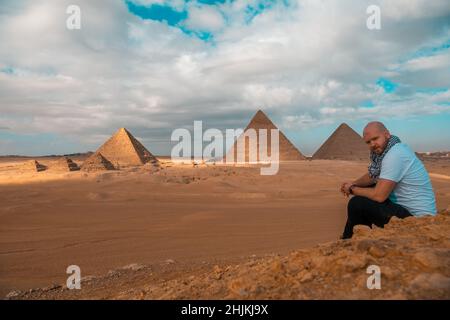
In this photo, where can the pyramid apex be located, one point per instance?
(344, 127)
(260, 115)
(260, 120)
(123, 131)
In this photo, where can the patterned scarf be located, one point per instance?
(375, 165)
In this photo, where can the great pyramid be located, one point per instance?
(124, 150)
(65, 164)
(287, 151)
(343, 144)
(96, 162)
(33, 165)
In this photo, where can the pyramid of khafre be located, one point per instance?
(287, 151)
(96, 162)
(65, 164)
(343, 144)
(124, 150)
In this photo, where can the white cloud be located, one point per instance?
(413, 9)
(314, 63)
(205, 18)
(260, 96)
(441, 61)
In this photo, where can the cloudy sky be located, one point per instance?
(156, 65)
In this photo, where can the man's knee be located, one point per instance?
(356, 204)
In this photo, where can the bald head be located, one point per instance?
(376, 136)
(376, 125)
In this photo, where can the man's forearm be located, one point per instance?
(380, 193)
(364, 181)
(364, 192)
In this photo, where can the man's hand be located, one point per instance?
(345, 188)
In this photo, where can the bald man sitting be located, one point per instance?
(396, 184)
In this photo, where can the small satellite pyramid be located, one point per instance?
(65, 164)
(33, 165)
(96, 162)
(343, 144)
(124, 150)
(287, 151)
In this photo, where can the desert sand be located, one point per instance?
(412, 254)
(145, 232)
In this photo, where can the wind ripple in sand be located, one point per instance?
(18, 251)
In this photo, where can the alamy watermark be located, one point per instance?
(373, 21)
(249, 146)
(374, 280)
(74, 280)
(73, 22)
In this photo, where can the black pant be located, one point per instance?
(361, 210)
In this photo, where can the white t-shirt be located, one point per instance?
(413, 190)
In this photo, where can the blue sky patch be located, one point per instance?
(367, 104)
(212, 2)
(431, 90)
(202, 35)
(175, 18)
(427, 51)
(387, 85)
(251, 11)
(7, 70)
(157, 12)
(430, 51)
(172, 17)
